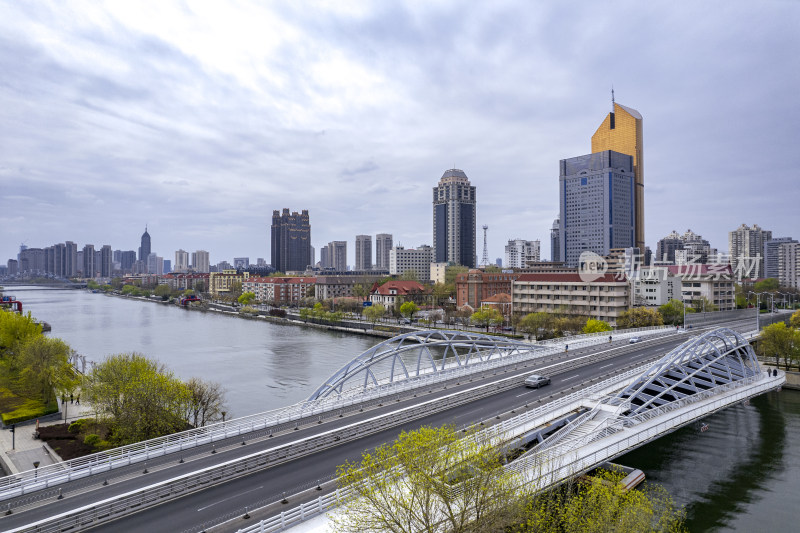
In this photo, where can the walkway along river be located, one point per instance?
(743, 474)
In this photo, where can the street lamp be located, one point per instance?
(758, 307)
(35, 470)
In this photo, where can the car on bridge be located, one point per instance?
(535, 381)
(634, 340)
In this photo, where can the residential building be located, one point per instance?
(155, 264)
(596, 193)
(655, 286)
(771, 252)
(324, 260)
(519, 252)
(712, 282)
(746, 248)
(12, 267)
(788, 265)
(555, 242)
(395, 292)
(183, 281)
(181, 261)
(622, 132)
(477, 286)
(604, 298)
(454, 220)
(32, 260)
(106, 261)
(220, 283)
(337, 256)
(88, 267)
(127, 258)
(240, 263)
(280, 290)
(402, 260)
(363, 252)
(665, 249)
(438, 272)
(167, 266)
(332, 286)
(200, 261)
(291, 240)
(144, 249)
(383, 244)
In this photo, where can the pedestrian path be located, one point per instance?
(20, 450)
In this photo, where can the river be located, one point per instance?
(743, 474)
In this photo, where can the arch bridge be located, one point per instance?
(414, 355)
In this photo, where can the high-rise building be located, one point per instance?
(621, 131)
(324, 260)
(89, 266)
(596, 193)
(155, 264)
(454, 219)
(788, 265)
(555, 242)
(666, 247)
(519, 252)
(144, 249)
(70, 259)
(402, 261)
(181, 260)
(166, 266)
(200, 261)
(771, 250)
(241, 262)
(291, 240)
(337, 256)
(746, 247)
(383, 244)
(106, 261)
(127, 260)
(363, 252)
(32, 260)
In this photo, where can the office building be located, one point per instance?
(666, 247)
(363, 252)
(336, 256)
(771, 251)
(519, 252)
(155, 264)
(241, 262)
(383, 245)
(454, 220)
(596, 198)
(200, 261)
(621, 131)
(405, 261)
(746, 248)
(144, 249)
(291, 240)
(127, 259)
(715, 283)
(555, 242)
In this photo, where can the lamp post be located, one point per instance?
(35, 470)
(758, 307)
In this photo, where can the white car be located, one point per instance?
(535, 381)
(634, 340)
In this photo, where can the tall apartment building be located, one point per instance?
(181, 261)
(596, 193)
(383, 245)
(291, 240)
(155, 264)
(666, 247)
(106, 261)
(519, 252)
(336, 256)
(32, 260)
(454, 220)
(419, 260)
(89, 268)
(200, 261)
(789, 265)
(144, 249)
(771, 251)
(70, 259)
(622, 132)
(746, 248)
(363, 252)
(127, 259)
(555, 242)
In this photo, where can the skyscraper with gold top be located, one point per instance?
(621, 131)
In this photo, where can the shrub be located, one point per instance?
(277, 312)
(91, 439)
(103, 445)
(76, 426)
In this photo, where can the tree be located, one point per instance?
(639, 317)
(486, 316)
(16, 330)
(537, 324)
(246, 298)
(360, 291)
(766, 285)
(138, 397)
(603, 505)
(442, 292)
(374, 313)
(778, 340)
(129, 289)
(436, 316)
(596, 326)
(672, 312)
(235, 290)
(164, 291)
(44, 364)
(451, 272)
(410, 275)
(408, 309)
(794, 320)
(206, 402)
(407, 486)
(703, 304)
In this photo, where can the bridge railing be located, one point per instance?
(276, 420)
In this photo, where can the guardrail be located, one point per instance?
(276, 420)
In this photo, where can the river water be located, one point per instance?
(743, 474)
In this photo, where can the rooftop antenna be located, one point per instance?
(485, 259)
(612, 97)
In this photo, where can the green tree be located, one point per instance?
(672, 312)
(639, 317)
(128, 289)
(539, 325)
(44, 366)
(374, 313)
(452, 271)
(794, 320)
(15, 330)
(163, 291)
(486, 316)
(408, 309)
(596, 326)
(206, 402)
(766, 285)
(703, 305)
(138, 397)
(779, 341)
(235, 290)
(442, 292)
(407, 486)
(246, 298)
(410, 275)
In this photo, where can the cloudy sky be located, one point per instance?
(200, 118)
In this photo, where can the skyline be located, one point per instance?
(121, 116)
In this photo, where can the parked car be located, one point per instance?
(535, 381)
(634, 340)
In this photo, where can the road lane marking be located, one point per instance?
(230, 498)
(606, 366)
(571, 377)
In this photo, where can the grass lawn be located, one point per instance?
(18, 403)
